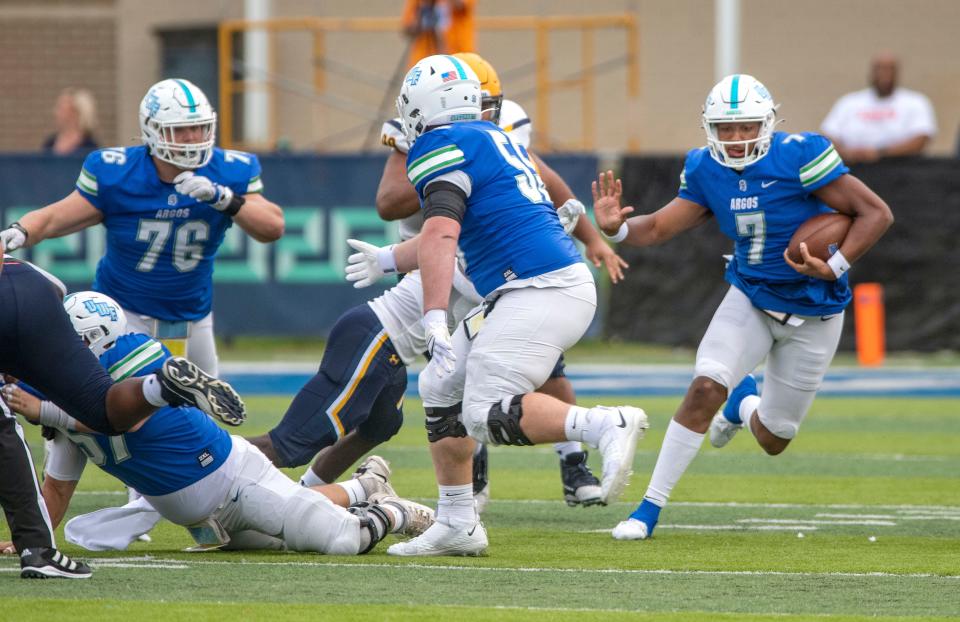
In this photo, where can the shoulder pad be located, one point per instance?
(392, 136)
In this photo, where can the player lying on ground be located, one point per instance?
(218, 486)
(397, 199)
(479, 189)
(761, 186)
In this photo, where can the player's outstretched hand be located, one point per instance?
(12, 238)
(607, 192)
(439, 344)
(810, 266)
(203, 189)
(365, 267)
(602, 255)
(21, 402)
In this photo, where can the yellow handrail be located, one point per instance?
(541, 26)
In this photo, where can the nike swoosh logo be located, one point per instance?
(623, 422)
(470, 533)
(767, 184)
(236, 497)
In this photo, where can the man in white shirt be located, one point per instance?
(881, 121)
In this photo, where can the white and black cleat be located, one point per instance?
(49, 563)
(442, 540)
(618, 445)
(580, 485)
(182, 383)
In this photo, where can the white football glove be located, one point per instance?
(12, 238)
(569, 213)
(439, 344)
(367, 266)
(203, 189)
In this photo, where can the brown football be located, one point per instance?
(824, 233)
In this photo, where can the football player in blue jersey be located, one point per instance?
(195, 474)
(760, 185)
(166, 205)
(479, 190)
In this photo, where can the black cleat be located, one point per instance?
(184, 384)
(481, 479)
(49, 563)
(580, 486)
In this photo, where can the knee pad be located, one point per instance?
(374, 524)
(504, 427)
(444, 422)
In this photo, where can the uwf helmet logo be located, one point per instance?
(414, 76)
(101, 308)
(153, 102)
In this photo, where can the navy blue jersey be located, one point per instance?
(174, 448)
(510, 229)
(760, 208)
(160, 244)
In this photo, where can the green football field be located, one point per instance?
(859, 519)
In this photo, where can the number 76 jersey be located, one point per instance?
(760, 208)
(160, 244)
(510, 229)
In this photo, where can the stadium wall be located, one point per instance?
(672, 290)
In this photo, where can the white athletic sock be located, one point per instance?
(456, 507)
(748, 406)
(399, 518)
(477, 449)
(680, 447)
(586, 425)
(567, 448)
(151, 391)
(354, 489)
(309, 478)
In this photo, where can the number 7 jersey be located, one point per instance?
(760, 208)
(160, 244)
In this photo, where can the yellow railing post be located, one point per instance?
(224, 33)
(543, 85)
(587, 112)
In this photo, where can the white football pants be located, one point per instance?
(201, 346)
(740, 336)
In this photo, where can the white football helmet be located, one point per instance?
(739, 98)
(436, 91)
(97, 318)
(172, 104)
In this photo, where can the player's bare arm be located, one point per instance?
(673, 218)
(436, 256)
(396, 196)
(871, 219)
(597, 251)
(68, 215)
(260, 218)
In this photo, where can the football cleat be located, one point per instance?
(182, 383)
(726, 423)
(441, 539)
(580, 485)
(481, 478)
(374, 475)
(618, 445)
(49, 563)
(722, 431)
(639, 525)
(417, 517)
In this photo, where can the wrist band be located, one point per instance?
(620, 235)
(19, 227)
(234, 206)
(386, 260)
(53, 416)
(838, 263)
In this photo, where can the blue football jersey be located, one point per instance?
(760, 208)
(160, 244)
(174, 448)
(510, 229)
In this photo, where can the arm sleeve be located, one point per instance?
(64, 461)
(87, 182)
(820, 163)
(443, 198)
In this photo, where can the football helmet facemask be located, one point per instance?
(168, 106)
(438, 90)
(739, 98)
(97, 318)
(489, 84)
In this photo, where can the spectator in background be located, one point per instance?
(75, 117)
(439, 27)
(881, 121)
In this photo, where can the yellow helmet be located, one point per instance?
(489, 83)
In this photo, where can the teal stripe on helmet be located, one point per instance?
(735, 92)
(460, 71)
(190, 101)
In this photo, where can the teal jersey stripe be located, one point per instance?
(735, 92)
(149, 359)
(131, 356)
(826, 153)
(416, 180)
(429, 155)
(190, 101)
(460, 71)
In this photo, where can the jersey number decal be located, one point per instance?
(754, 226)
(528, 181)
(186, 250)
(92, 449)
